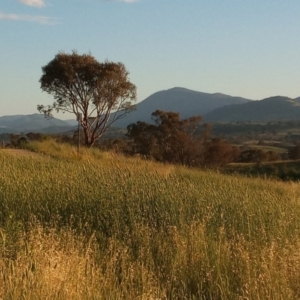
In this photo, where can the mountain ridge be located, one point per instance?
(276, 108)
(26, 123)
(184, 101)
(216, 107)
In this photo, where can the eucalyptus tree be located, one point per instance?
(98, 93)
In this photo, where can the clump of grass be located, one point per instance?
(58, 150)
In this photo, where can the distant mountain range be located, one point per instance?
(33, 123)
(187, 102)
(270, 109)
(214, 107)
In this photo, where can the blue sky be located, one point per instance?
(248, 48)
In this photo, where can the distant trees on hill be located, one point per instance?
(170, 139)
(256, 155)
(174, 140)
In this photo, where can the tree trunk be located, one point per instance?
(89, 140)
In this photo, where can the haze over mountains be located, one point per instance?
(213, 107)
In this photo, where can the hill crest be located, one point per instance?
(184, 101)
(277, 108)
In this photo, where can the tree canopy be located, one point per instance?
(100, 92)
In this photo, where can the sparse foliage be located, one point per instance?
(101, 92)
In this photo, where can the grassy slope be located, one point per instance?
(102, 226)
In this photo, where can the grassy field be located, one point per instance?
(102, 226)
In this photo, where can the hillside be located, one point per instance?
(270, 109)
(102, 226)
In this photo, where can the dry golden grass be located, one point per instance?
(103, 226)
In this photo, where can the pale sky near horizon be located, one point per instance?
(247, 48)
